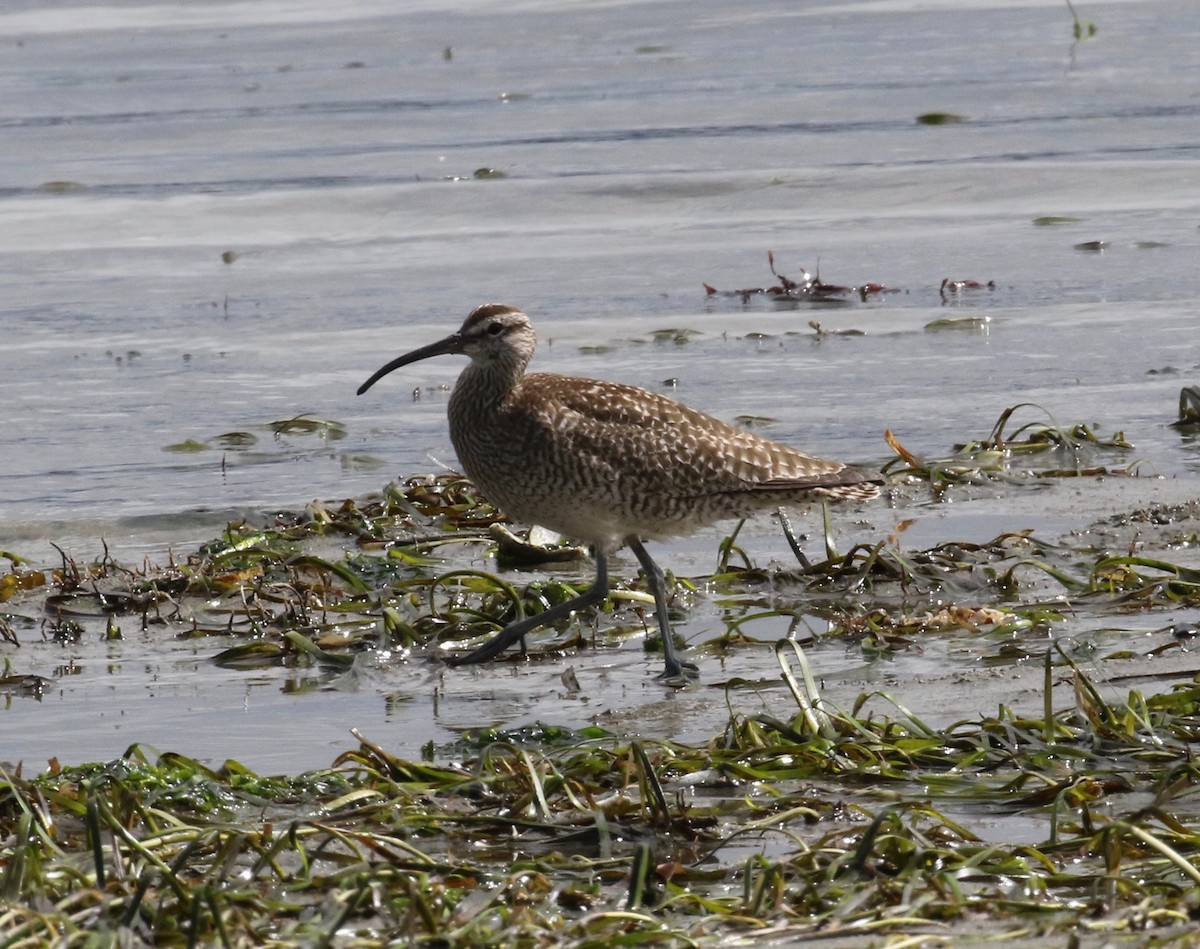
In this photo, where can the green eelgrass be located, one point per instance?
(824, 822)
(806, 819)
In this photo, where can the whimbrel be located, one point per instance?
(606, 464)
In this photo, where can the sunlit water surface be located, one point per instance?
(216, 216)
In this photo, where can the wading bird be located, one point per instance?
(606, 464)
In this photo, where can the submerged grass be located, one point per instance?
(849, 824)
(825, 823)
(1011, 455)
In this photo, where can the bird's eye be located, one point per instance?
(495, 329)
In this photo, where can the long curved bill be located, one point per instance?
(451, 345)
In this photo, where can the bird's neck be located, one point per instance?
(482, 387)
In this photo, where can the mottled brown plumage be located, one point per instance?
(608, 464)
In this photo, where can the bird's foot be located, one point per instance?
(679, 674)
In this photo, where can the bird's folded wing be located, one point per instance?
(631, 433)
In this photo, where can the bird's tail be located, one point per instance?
(854, 491)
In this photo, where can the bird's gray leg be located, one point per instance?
(673, 668)
(596, 593)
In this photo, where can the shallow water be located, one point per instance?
(647, 148)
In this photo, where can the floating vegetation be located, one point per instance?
(188, 446)
(235, 441)
(300, 425)
(824, 331)
(941, 118)
(1081, 28)
(978, 323)
(754, 421)
(303, 425)
(20, 577)
(318, 587)
(800, 820)
(1189, 408)
(951, 288)
(61, 187)
(1069, 452)
(673, 334)
(809, 288)
(819, 822)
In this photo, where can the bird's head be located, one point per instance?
(492, 334)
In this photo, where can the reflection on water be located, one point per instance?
(222, 221)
